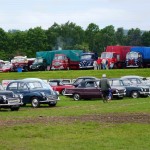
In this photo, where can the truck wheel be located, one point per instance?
(16, 108)
(76, 97)
(35, 102)
(134, 94)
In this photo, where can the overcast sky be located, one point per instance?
(26, 14)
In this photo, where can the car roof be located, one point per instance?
(87, 77)
(132, 76)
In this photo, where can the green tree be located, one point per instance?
(36, 41)
(107, 37)
(120, 37)
(71, 35)
(91, 33)
(134, 37)
(146, 38)
(3, 44)
(52, 35)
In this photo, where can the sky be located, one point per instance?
(25, 14)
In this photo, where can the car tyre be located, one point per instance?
(63, 92)
(14, 108)
(134, 94)
(76, 97)
(35, 102)
(52, 105)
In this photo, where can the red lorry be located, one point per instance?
(66, 59)
(62, 62)
(114, 56)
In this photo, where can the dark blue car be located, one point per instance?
(132, 90)
(34, 91)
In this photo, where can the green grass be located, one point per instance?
(25, 130)
(76, 135)
(71, 74)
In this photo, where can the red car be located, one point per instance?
(59, 86)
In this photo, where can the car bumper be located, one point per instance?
(119, 94)
(68, 94)
(11, 104)
(86, 67)
(144, 93)
(48, 100)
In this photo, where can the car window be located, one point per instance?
(53, 83)
(91, 84)
(34, 85)
(116, 83)
(22, 86)
(13, 86)
(78, 81)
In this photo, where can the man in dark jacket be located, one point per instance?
(104, 86)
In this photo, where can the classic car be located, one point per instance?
(89, 90)
(10, 100)
(59, 86)
(34, 91)
(132, 90)
(7, 67)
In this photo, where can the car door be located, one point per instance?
(92, 90)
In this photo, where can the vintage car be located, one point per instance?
(10, 100)
(34, 91)
(89, 90)
(59, 86)
(132, 90)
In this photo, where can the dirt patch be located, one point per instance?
(104, 118)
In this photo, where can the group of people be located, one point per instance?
(105, 88)
(102, 65)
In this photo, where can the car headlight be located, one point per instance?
(21, 96)
(43, 94)
(142, 89)
(4, 97)
(117, 91)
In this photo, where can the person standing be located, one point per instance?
(105, 87)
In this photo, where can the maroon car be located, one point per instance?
(59, 86)
(89, 90)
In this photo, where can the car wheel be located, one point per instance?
(52, 105)
(35, 102)
(135, 94)
(76, 97)
(63, 92)
(14, 108)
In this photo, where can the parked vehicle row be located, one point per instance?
(35, 91)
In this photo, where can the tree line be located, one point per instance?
(68, 36)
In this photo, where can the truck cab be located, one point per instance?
(60, 62)
(39, 64)
(87, 60)
(134, 59)
(111, 58)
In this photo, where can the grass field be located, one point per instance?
(78, 125)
